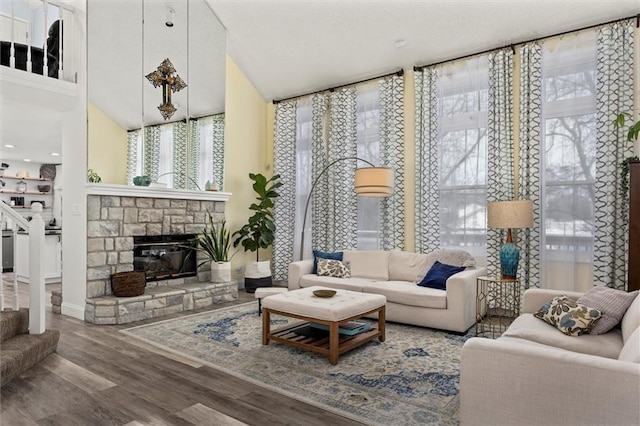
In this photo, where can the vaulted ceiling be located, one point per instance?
(287, 48)
(291, 47)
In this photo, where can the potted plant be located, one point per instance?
(259, 232)
(632, 135)
(215, 242)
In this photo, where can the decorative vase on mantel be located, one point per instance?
(220, 272)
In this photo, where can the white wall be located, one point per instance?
(74, 157)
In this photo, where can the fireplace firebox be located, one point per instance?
(163, 257)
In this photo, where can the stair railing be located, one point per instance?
(35, 230)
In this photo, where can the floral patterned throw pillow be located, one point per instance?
(333, 268)
(568, 316)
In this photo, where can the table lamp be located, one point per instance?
(508, 215)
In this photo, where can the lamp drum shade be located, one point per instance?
(374, 182)
(510, 214)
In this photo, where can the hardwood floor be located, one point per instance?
(101, 377)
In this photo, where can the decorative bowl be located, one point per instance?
(44, 188)
(324, 293)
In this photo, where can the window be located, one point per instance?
(368, 126)
(568, 156)
(462, 147)
(209, 157)
(368, 136)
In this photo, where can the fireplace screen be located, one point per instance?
(165, 257)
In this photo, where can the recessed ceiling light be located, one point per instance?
(55, 154)
(27, 160)
(8, 145)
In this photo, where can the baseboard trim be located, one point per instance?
(74, 311)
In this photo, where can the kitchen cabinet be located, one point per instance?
(52, 253)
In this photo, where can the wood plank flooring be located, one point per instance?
(101, 377)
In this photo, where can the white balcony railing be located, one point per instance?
(35, 229)
(32, 38)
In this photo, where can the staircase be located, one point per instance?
(19, 351)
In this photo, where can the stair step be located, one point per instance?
(13, 323)
(22, 352)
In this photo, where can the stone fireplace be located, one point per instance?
(165, 256)
(128, 226)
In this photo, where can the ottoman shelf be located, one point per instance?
(329, 343)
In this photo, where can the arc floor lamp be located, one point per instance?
(370, 181)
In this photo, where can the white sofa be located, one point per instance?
(394, 274)
(534, 374)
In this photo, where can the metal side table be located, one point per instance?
(497, 305)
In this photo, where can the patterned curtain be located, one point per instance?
(392, 155)
(500, 172)
(180, 148)
(218, 150)
(427, 189)
(335, 218)
(133, 139)
(529, 160)
(151, 152)
(614, 94)
(319, 221)
(194, 155)
(284, 164)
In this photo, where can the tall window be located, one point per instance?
(569, 147)
(303, 172)
(209, 160)
(368, 134)
(368, 149)
(462, 139)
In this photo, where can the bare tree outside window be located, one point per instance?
(463, 160)
(569, 147)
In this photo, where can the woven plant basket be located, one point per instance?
(128, 284)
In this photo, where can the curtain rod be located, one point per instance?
(513, 45)
(331, 89)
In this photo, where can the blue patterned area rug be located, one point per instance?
(410, 379)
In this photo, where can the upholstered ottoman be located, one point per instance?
(262, 292)
(331, 312)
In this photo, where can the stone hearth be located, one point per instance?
(112, 222)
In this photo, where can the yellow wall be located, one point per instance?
(245, 151)
(107, 146)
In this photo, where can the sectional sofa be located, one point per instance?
(395, 274)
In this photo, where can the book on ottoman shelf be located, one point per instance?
(350, 329)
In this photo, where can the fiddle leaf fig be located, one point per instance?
(259, 232)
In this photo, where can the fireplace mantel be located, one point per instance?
(154, 192)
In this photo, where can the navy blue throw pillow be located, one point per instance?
(317, 254)
(439, 274)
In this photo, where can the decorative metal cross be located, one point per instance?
(164, 76)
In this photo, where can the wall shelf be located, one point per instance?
(26, 179)
(10, 191)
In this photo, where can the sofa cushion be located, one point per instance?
(631, 320)
(568, 316)
(631, 350)
(528, 327)
(611, 302)
(408, 293)
(353, 284)
(449, 257)
(372, 264)
(333, 268)
(317, 254)
(438, 275)
(406, 266)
